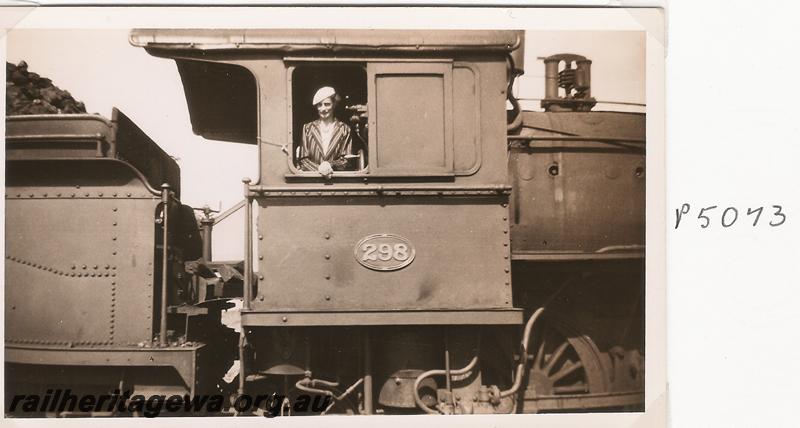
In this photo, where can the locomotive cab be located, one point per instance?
(410, 244)
(385, 285)
(426, 112)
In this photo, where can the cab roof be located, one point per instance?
(294, 40)
(222, 96)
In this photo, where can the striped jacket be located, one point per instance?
(311, 153)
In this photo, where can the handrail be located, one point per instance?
(165, 200)
(225, 214)
(248, 248)
(576, 138)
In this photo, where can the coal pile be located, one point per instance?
(29, 93)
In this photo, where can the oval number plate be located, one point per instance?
(384, 251)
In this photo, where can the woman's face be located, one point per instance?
(325, 108)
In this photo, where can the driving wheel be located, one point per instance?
(564, 362)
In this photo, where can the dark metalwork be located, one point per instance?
(369, 407)
(165, 207)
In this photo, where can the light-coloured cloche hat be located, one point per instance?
(322, 93)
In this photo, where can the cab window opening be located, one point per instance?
(222, 99)
(342, 141)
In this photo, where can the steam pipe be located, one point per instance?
(309, 385)
(429, 373)
(523, 358)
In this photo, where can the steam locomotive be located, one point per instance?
(473, 260)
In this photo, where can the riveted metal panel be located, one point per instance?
(411, 117)
(79, 259)
(577, 201)
(306, 254)
(574, 198)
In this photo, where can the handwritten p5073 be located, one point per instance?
(713, 215)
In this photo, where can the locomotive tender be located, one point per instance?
(467, 262)
(85, 265)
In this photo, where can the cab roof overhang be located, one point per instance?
(222, 97)
(295, 40)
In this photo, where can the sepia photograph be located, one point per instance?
(255, 213)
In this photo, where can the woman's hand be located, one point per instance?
(325, 169)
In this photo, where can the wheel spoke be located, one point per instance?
(554, 358)
(537, 363)
(565, 371)
(570, 389)
(567, 364)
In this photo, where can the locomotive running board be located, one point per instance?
(440, 317)
(183, 359)
(548, 403)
